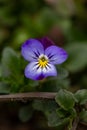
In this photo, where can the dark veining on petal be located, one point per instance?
(38, 52)
(34, 57)
(37, 55)
(52, 60)
(38, 67)
(36, 63)
(51, 56)
(48, 66)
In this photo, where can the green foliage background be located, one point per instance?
(63, 21)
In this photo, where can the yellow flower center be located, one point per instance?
(42, 61)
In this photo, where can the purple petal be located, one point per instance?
(50, 70)
(46, 42)
(56, 54)
(34, 72)
(31, 49)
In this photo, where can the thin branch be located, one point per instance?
(33, 95)
(27, 96)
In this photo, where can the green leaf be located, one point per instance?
(61, 112)
(81, 96)
(65, 99)
(48, 107)
(54, 120)
(62, 73)
(25, 113)
(77, 56)
(83, 116)
(73, 113)
(10, 62)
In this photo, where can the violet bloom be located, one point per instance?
(42, 55)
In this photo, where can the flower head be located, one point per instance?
(42, 55)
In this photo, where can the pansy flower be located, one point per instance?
(42, 55)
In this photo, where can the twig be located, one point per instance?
(33, 95)
(27, 96)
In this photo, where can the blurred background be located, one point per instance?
(64, 22)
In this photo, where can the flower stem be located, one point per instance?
(75, 123)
